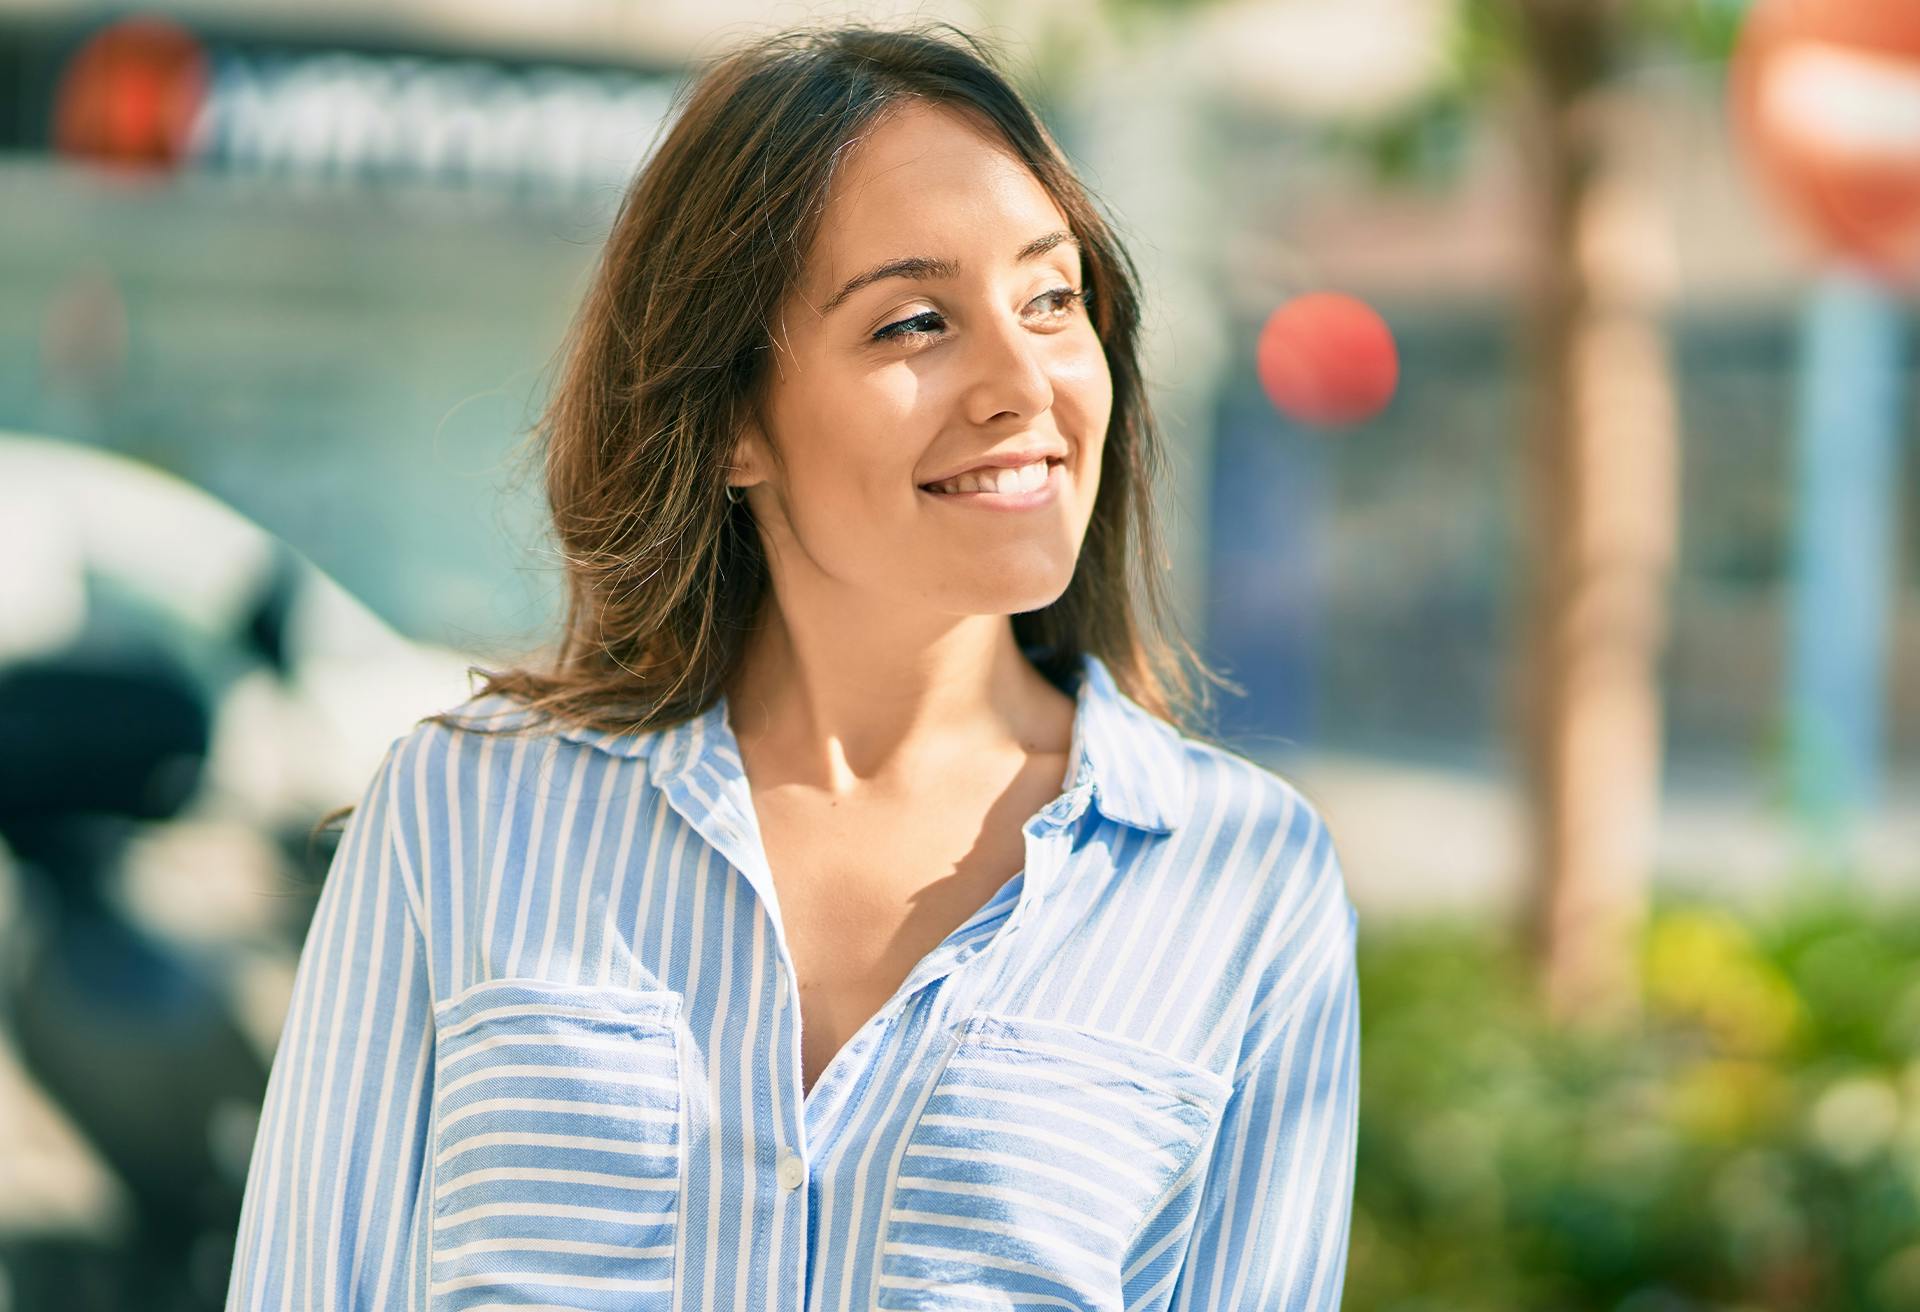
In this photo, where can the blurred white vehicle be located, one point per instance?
(82, 529)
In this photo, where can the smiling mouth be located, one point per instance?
(934, 489)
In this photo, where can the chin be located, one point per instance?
(1002, 594)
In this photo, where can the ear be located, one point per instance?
(751, 460)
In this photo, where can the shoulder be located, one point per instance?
(481, 713)
(440, 732)
(484, 747)
(496, 718)
(1253, 826)
(1258, 861)
(1300, 938)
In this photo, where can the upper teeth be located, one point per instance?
(1024, 479)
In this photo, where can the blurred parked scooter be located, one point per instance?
(181, 696)
(137, 1048)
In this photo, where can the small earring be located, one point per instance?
(735, 493)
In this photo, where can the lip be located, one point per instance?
(1002, 460)
(1044, 495)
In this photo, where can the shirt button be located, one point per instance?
(780, 989)
(791, 1171)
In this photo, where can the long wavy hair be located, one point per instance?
(670, 351)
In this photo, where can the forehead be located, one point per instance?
(927, 181)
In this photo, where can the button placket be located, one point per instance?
(1049, 845)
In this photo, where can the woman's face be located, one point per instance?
(883, 384)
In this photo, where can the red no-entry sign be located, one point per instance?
(1826, 94)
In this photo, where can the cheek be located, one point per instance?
(1083, 396)
(850, 472)
(844, 493)
(844, 436)
(1083, 385)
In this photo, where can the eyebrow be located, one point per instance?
(926, 267)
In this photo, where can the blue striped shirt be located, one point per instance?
(543, 1051)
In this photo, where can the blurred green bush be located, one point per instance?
(1751, 1142)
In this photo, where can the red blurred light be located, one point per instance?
(1328, 359)
(130, 94)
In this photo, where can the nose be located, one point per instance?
(1010, 374)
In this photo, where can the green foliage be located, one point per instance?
(1423, 143)
(1752, 1143)
(1700, 29)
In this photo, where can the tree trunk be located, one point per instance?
(1601, 469)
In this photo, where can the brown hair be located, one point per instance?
(669, 353)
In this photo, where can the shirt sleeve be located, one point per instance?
(1271, 1228)
(328, 1209)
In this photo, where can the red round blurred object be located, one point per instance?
(1826, 94)
(130, 94)
(1327, 359)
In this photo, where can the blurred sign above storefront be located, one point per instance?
(146, 93)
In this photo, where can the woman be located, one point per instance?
(840, 921)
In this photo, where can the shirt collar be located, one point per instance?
(1133, 760)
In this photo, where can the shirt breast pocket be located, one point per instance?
(1038, 1155)
(556, 1146)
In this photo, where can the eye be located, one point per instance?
(906, 328)
(1063, 299)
